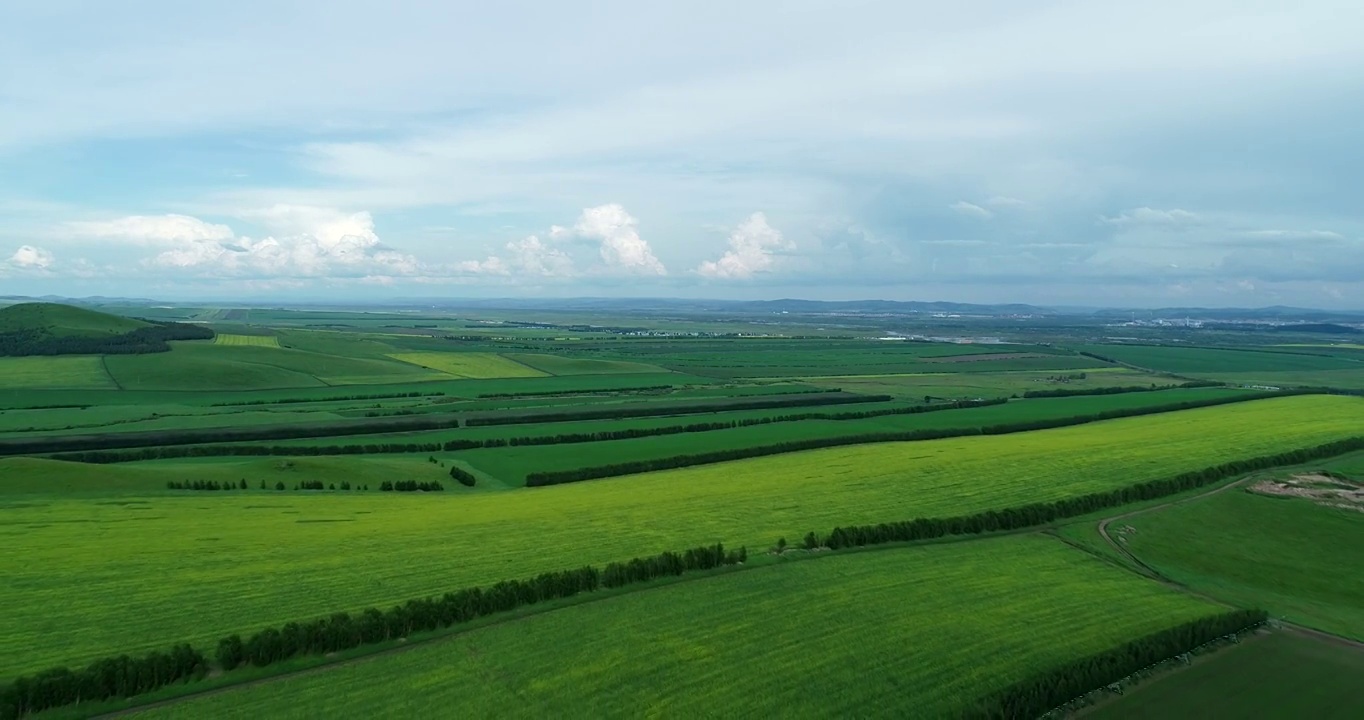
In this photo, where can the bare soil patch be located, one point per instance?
(1331, 490)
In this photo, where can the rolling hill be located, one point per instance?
(54, 329)
(55, 320)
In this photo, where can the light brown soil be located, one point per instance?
(1325, 490)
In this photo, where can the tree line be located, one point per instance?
(116, 677)
(1073, 392)
(165, 453)
(214, 485)
(1045, 691)
(410, 486)
(1034, 514)
(152, 339)
(462, 476)
(556, 477)
(565, 393)
(330, 398)
(646, 410)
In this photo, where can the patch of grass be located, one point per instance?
(247, 340)
(76, 573)
(69, 371)
(474, 365)
(210, 367)
(1292, 557)
(957, 386)
(58, 320)
(1217, 361)
(1279, 675)
(927, 624)
(556, 365)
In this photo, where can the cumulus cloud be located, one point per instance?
(28, 257)
(311, 242)
(613, 230)
(751, 250)
(1150, 216)
(970, 210)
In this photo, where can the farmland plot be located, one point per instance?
(469, 365)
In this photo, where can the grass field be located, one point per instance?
(77, 570)
(247, 340)
(64, 320)
(210, 367)
(69, 372)
(1296, 559)
(929, 625)
(1216, 361)
(1001, 384)
(469, 365)
(1279, 675)
(555, 365)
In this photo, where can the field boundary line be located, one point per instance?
(104, 365)
(1164, 579)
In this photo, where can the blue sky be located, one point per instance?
(1159, 153)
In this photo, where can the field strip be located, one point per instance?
(228, 340)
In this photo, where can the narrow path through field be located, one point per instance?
(1160, 577)
(104, 365)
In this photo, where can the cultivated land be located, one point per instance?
(929, 624)
(82, 588)
(1281, 675)
(103, 560)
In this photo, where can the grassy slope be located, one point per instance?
(63, 320)
(1281, 675)
(209, 367)
(934, 628)
(77, 570)
(1292, 557)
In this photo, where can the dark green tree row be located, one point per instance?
(410, 486)
(331, 398)
(210, 485)
(1048, 690)
(463, 477)
(1034, 514)
(343, 631)
(102, 457)
(1073, 392)
(647, 410)
(118, 677)
(152, 339)
(565, 393)
(556, 477)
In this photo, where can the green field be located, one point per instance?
(1295, 558)
(928, 623)
(1279, 675)
(554, 365)
(247, 340)
(958, 386)
(77, 568)
(208, 367)
(63, 320)
(1204, 361)
(469, 365)
(22, 373)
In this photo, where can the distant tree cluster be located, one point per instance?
(563, 393)
(118, 677)
(152, 339)
(1045, 691)
(410, 486)
(205, 485)
(463, 477)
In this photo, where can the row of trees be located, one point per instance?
(330, 398)
(343, 631)
(1041, 513)
(556, 477)
(152, 339)
(1072, 392)
(1047, 690)
(565, 393)
(117, 677)
(463, 477)
(410, 486)
(649, 410)
(213, 485)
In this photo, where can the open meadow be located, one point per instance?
(931, 626)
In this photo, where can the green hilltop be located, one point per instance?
(57, 320)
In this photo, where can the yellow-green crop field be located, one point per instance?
(474, 365)
(247, 340)
(67, 372)
(934, 629)
(77, 571)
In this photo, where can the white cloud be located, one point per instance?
(622, 249)
(971, 210)
(312, 242)
(529, 256)
(751, 247)
(1151, 216)
(28, 257)
(152, 230)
